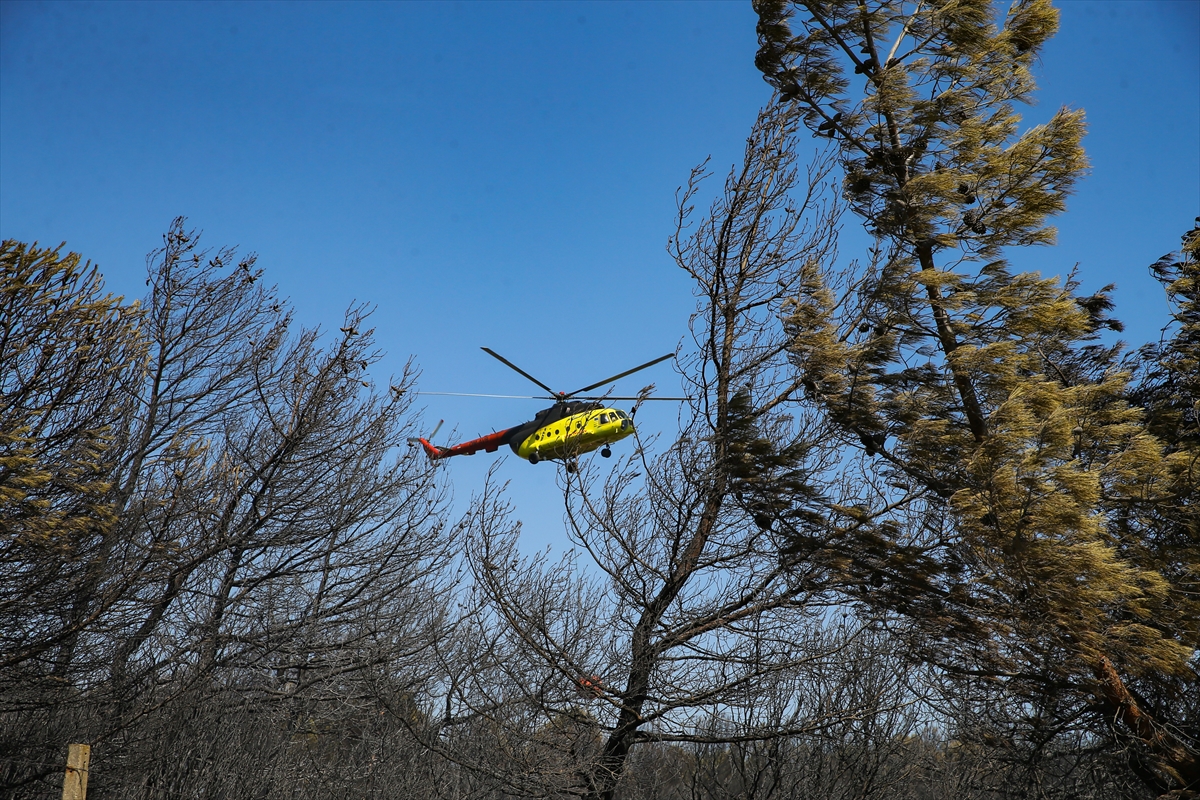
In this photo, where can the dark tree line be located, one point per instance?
(202, 506)
(922, 531)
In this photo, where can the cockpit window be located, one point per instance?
(622, 414)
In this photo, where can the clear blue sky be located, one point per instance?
(463, 164)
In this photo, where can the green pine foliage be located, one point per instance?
(1005, 446)
(1170, 390)
(768, 480)
(64, 348)
(67, 352)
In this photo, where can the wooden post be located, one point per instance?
(75, 781)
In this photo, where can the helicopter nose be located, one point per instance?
(626, 424)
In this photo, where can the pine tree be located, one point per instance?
(1153, 512)
(67, 353)
(1000, 430)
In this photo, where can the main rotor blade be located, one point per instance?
(635, 398)
(622, 375)
(475, 394)
(511, 365)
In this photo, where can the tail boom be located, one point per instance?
(489, 444)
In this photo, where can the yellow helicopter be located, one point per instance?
(574, 425)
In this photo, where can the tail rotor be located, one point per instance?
(433, 451)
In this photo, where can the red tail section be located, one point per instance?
(489, 444)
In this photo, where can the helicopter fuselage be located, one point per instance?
(574, 434)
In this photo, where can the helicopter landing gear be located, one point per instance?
(533, 458)
(606, 453)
